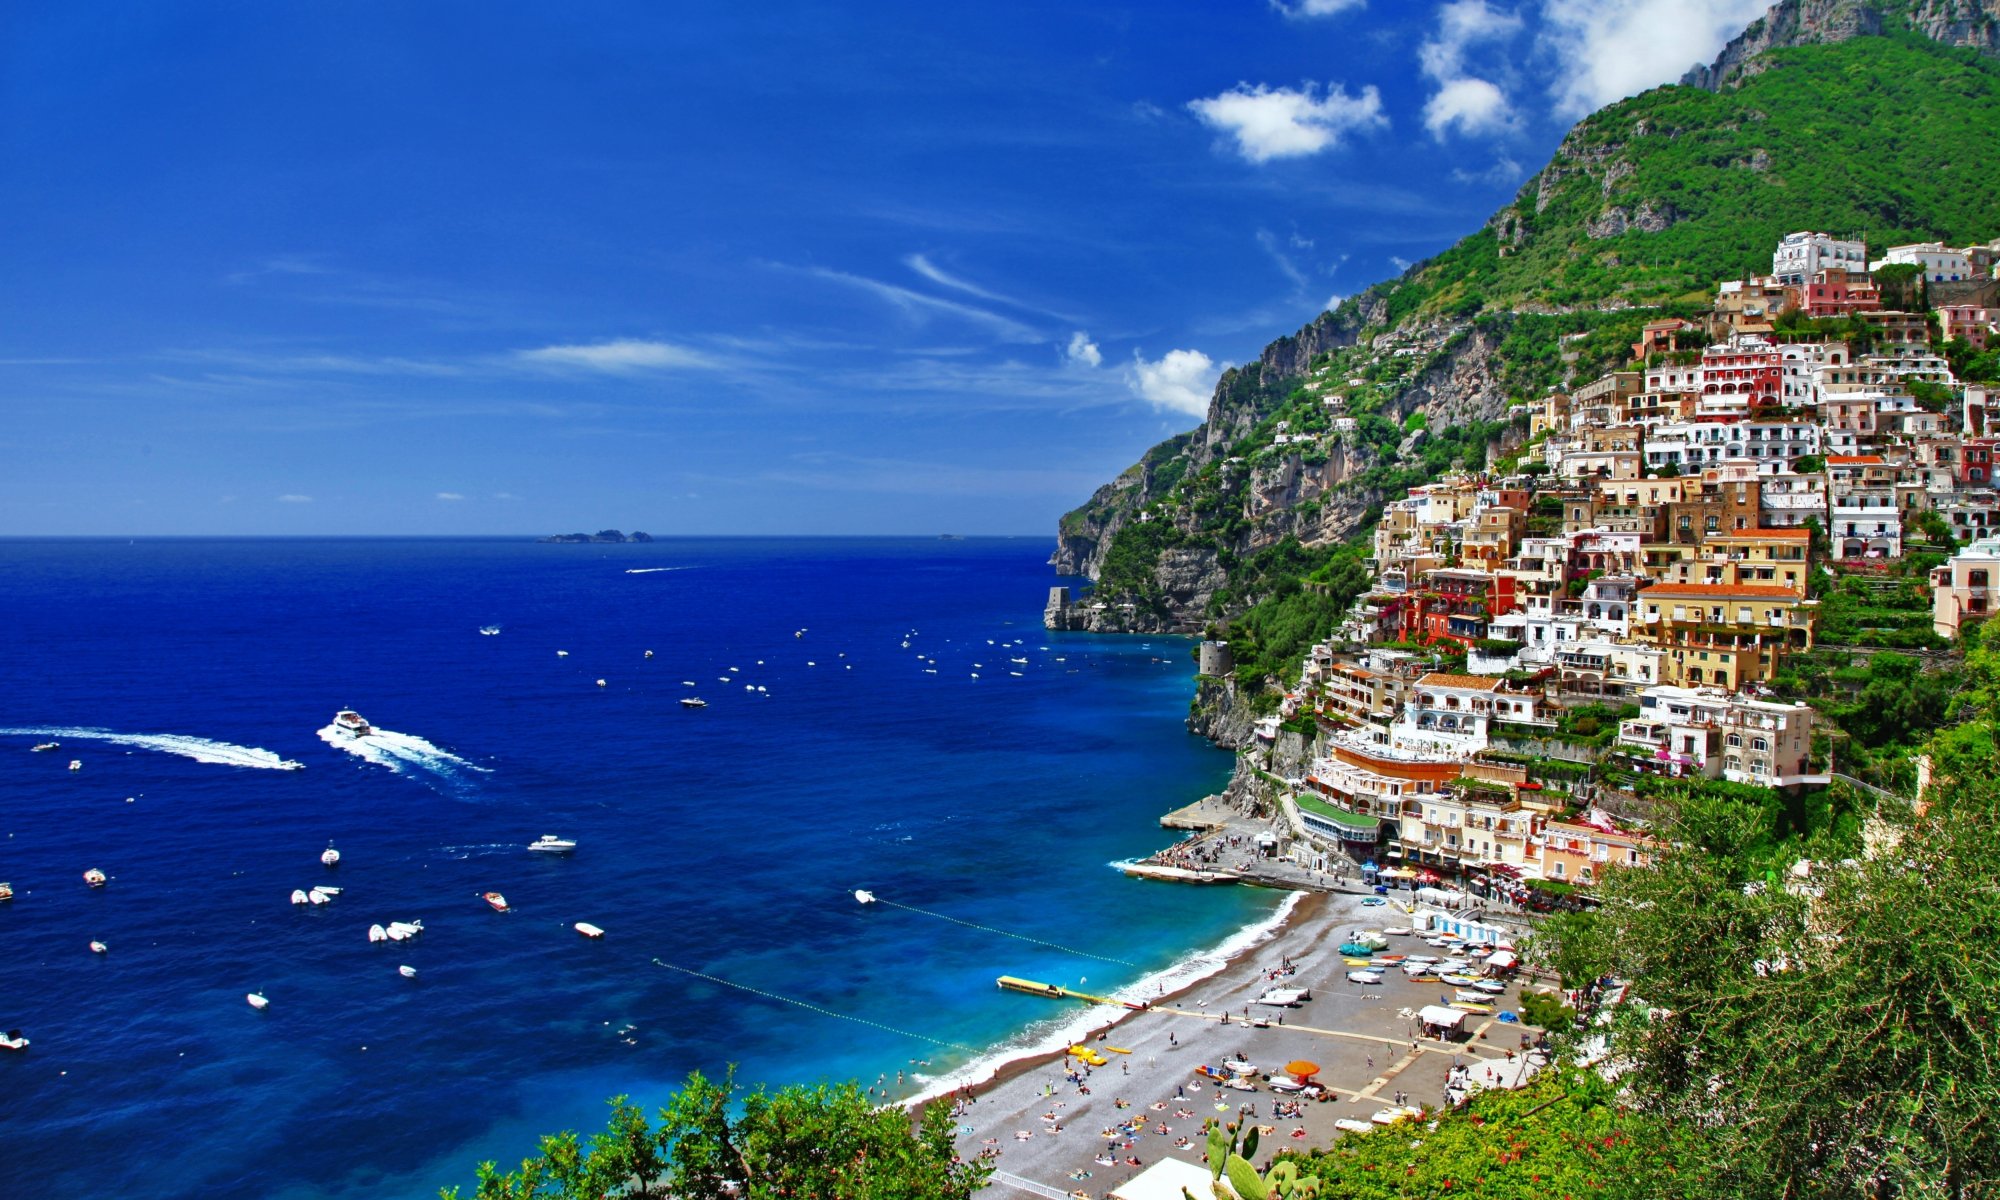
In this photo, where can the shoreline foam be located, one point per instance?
(1049, 1036)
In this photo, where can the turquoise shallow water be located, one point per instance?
(726, 840)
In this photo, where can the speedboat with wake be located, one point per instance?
(864, 897)
(549, 843)
(350, 724)
(45, 747)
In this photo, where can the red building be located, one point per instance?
(1836, 293)
(1975, 465)
(1453, 605)
(1754, 372)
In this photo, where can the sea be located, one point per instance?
(884, 715)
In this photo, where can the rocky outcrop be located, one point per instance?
(1973, 23)
(1646, 218)
(1220, 714)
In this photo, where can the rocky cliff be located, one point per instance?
(1973, 23)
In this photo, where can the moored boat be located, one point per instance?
(13, 1041)
(693, 702)
(94, 877)
(407, 972)
(76, 764)
(330, 856)
(45, 747)
(498, 901)
(6, 891)
(257, 1001)
(299, 896)
(588, 930)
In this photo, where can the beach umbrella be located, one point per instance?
(1302, 1069)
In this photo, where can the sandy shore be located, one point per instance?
(1045, 1129)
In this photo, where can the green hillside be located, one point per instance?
(1889, 138)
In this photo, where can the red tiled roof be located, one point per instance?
(1484, 683)
(1717, 591)
(1853, 458)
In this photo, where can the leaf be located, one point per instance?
(1244, 1179)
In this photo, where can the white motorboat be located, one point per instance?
(649, 654)
(6, 891)
(562, 654)
(600, 683)
(407, 972)
(1238, 1066)
(328, 889)
(330, 856)
(498, 901)
(1281, 998)
(377, 934)
(299, 896)
(13, 1041)
(317, 897)
(549, 843)
(490, 630)
(98, 947)
(1364, 977)
(45, 747)
(864, 897)
(402, 931)
(291, 764)
(76, 764)
(350, 724)
(693, 702)
(94, 877)
(1470, 996)
(257, 1001)
(588, 930)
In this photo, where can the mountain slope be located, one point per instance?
(1828, 114)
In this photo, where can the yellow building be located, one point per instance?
(1751, 557)
(1722, 635)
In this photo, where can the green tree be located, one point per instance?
(828, 1142)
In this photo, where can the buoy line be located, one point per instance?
(1004, 933)
(824, 1012)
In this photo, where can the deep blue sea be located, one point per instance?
(726, 840)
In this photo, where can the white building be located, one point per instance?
(1940, 263)
(1962, 590)
(1716, 735)
(1800, 256)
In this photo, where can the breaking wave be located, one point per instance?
(402, 753)
(200, 749)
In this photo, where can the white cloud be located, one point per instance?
(920, 306)
(1270, 122)
(294, 498)
(451, 495)
(1286, 267)
(1399, 262)
(619, 357)
(1181, 381)
(1610, 49)
(1315, 8)
(1503, 171)
(1468, 106)
(1084, 351)
(1465, 103)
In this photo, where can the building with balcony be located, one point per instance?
(1709, 733)
(1804, 254)
(1722, 635)
(1962, 589)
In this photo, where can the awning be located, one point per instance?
(1448, 1018)
(1165, 1180)
(1501, 960)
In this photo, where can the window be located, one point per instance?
(1759, 744)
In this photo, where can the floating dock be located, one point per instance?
(1051, 991)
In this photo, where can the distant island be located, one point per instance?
(602, 535)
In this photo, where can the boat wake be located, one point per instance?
(403, 753)
(651, 570)
(1052, 1033)
(200, 749)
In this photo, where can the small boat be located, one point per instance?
(1490, 987)
(330, 856)
(1391, 1116)
(402, 931)
(562, 654)
(299, 896)
(1019, 662)
(549, 843)
(1472, 1006)
(693, 702)
(1283, 998)
(291, 764)
(6, 891)
(1458, 978)
(588, 930)
(600, 683)
(331, 891)
(1364, 977)
(649, 654)
(98, 947)
(864, 897)
(317, 897)
(350, 724)
(377, 934)
(94, 877)
(76, 764)
(1350, 1125)
(45, 747)
(407, 972)
(490, 630)
(687, 683)
(1467, 996)
(498, 901)
(13, 1041)
(257, 1001)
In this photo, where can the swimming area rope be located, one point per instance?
(1004, 933)
(814, 1008)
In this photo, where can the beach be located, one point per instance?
(1046, 1125)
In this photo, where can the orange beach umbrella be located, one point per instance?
(1302, 1069)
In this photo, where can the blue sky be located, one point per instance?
(435, 268)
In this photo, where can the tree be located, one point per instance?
(828, 1142)
(1823, 1042)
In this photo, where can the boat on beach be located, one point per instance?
(549, 843)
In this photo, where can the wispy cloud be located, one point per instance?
(920, 306)
(1277, 252)
(1268, 122)
(1179, 381)
(1315, 8)
(1503, 171)
(453, 496)
(623, 356)
(294, 498)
